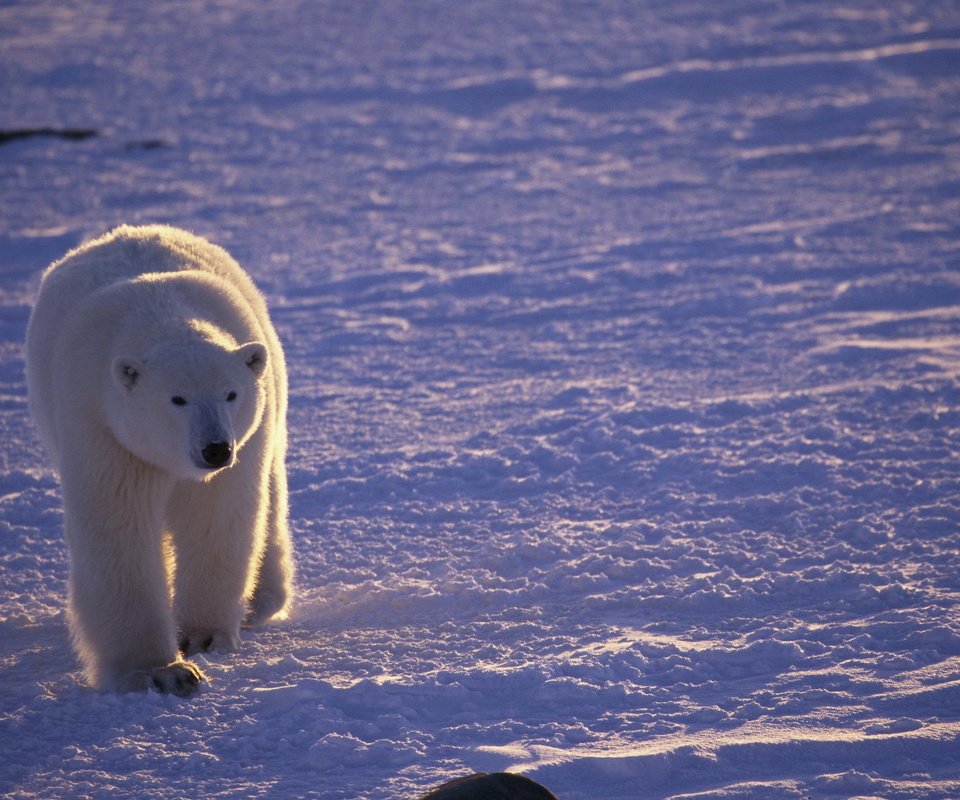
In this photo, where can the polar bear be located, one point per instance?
(159, 388)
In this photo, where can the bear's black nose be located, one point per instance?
(216, 454)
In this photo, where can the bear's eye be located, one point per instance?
(177, 400)
(231, 396)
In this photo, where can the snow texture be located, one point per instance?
(624, 343)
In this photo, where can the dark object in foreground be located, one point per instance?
(490, 786)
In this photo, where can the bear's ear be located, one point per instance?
(127, 371)
(254, 355)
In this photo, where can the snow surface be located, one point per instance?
(624, 343)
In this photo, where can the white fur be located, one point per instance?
(171, 544)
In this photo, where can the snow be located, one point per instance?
(624, 344)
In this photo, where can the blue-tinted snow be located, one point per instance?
(624, 343)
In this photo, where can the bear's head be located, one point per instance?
(189, 408)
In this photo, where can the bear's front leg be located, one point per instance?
(217, 530)
(120, 612)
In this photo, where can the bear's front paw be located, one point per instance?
(180, 678)
(203, 640)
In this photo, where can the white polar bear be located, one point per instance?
(158, 385)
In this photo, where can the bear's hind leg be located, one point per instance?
(274, 586)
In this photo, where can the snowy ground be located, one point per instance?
(624, 345)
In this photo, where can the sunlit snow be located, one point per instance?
(624, 343)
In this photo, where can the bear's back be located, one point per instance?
(124, 254)
(128, 252)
